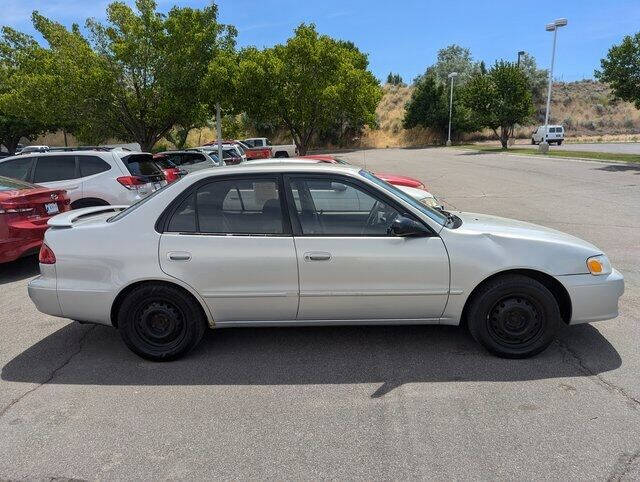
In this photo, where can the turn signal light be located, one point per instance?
(46, 255)
(599, 265)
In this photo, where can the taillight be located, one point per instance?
(171, 174)
(131, 182)
(11, 208)
(46, 255)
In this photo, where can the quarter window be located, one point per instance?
(90, 165)
(338, 208)
(55, 168)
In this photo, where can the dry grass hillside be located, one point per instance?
(585, 108)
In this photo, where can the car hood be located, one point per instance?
(512, 228)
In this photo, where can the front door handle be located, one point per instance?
(179, 256)
(317, 256)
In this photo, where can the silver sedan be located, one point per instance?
(300, 244)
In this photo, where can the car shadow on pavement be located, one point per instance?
(20, 269)
(390, 356)
(620, 168)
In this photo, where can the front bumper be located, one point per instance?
(593, 298)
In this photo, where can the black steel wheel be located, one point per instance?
(160, 322)
(514, 316)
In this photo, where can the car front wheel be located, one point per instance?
(160, 322)
(514, 316)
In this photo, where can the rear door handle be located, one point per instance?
(317, 256)
(179, 256)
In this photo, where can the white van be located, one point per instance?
(556, 134)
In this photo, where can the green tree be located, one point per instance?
(309, 84)
(621, 69)
(537, 78)
(14, 127)
(453, 58)
(134, 78)
(394, 79)
(500, 99)
(429, 108)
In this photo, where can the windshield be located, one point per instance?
(437, 216)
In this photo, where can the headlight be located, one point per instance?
(598, 265)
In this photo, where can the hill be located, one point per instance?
(585, 108)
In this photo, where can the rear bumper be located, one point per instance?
(24, 237)
(593, 298)
(44, 295)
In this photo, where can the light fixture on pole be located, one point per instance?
(551, 27)
(452, 76)
(520, 54)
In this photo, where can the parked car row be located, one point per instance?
(101, 176)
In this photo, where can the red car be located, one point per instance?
(24, 211)
(390, 178)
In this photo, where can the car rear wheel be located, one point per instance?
(160, 323)
(281, 154)
(514, 316)
(533, 141)
(559, 143)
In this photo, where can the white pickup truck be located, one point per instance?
(284, 150)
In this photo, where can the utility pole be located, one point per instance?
(551, 27)
(219, 133)
(452, 76)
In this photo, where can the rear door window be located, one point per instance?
(17, 168)
(55, 168)
(90, 165)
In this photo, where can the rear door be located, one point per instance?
(350, 267)
(59, 172)
(228, 239)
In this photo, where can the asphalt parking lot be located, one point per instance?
(369, 402)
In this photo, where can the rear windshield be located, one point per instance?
(141, 165)
(7, 184)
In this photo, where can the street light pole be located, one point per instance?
(551, 27)
(452, 76)
(520, 53)
(219, 133)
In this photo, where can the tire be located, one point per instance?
(559, 143)
(281, 154)
(88, 202)
(514, 316)
(533, 142)
(160, 322)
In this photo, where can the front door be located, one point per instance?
(229, 240)
(350, 268)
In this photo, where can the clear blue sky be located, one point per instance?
(404, 35)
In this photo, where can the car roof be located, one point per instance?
(283, 160)
(277, 167)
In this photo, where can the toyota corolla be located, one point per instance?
(289, 245)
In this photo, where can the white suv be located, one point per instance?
(555, 134)
(91, 177)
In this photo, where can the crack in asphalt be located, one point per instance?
(626, 462)
(51, 376)
(568, 352)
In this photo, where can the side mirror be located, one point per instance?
(405, 227)
(338, 186)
